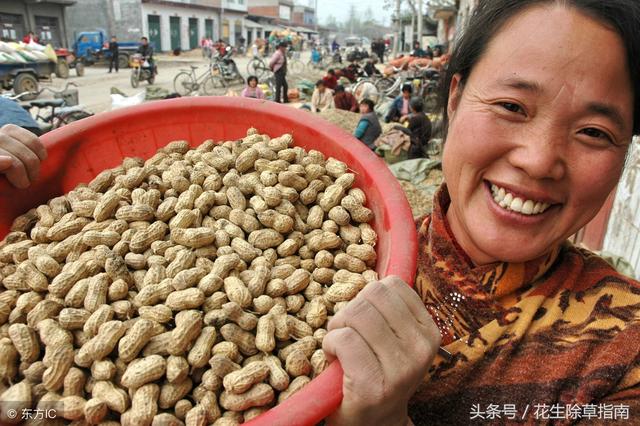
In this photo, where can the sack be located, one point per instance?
(35, 46)
(51, 54)
(146, 64)
(5, 47)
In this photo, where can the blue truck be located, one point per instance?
(93, 46)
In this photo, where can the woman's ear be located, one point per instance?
(455, 92)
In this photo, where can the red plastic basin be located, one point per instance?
(79, 151)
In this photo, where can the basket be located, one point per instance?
(69, 96)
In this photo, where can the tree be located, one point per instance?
(332, 23)
(353, 22)
(368, 15)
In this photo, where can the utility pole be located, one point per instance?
(111, 18)
(420, 22)
(396, 39)
(315, 15)
(221, 27)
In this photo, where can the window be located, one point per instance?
(285, 12)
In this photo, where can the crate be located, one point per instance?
(69, 96)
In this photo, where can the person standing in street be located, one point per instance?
(113, 50)
(278, 64)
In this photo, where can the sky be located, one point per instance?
(340, 9)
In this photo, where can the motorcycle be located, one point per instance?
(226, 67)
(430, 87)
(355, 54)
(141, 70)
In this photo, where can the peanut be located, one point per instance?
(240, 381)
(296, 384)
(144, 370)
(201, 351)
(25, 341)
(116, 399)
(259, 395)
(253, 240)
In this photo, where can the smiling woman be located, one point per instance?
(537, 138)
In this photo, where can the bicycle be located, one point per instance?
(257, 67)
(64, 108)
(325, 62)
(391, 87)
(187, 82)
(294, 65)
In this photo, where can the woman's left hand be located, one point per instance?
(385, 341)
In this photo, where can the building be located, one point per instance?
(233, 14)
(304, 16)
(452, 16)
(273, 15)
(45, 18)
(169, 24)
(280, 12)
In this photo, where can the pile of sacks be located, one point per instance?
(22, 53)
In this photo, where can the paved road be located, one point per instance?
(95, 86)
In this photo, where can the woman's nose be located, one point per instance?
(541, 153)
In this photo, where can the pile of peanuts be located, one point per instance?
(192, 288)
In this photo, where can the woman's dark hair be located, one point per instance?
(331, 71)
(339, 88)
(369, 103)
(416, 104)
(252, 77)
(319, 83)
(407, 88)
(491, 15)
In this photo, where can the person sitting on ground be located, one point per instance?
(418, 52)
(344, 100)
(368, 129)
(351, 72)
(420, 127)
(370, 68)
(429, 52)
(322, 98)
(252, 90)
(330, 79)
(400, 106)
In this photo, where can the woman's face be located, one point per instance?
(538, 134)
(253, 82)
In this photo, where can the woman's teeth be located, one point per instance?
(507, 201)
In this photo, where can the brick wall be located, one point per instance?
(298, 18)
(264, 11)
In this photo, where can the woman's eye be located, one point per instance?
(511, 107)
(595, 133)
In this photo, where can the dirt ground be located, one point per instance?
(95, 86)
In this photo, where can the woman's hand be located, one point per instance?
(386, 341)
(20, 155)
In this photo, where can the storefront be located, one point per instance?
(173, 26)
(45, 19)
